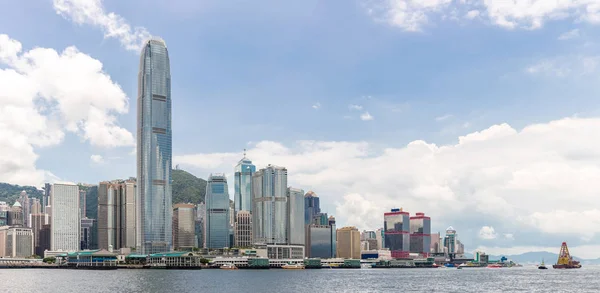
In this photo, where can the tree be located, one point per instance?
(49, 260)
(204, 261)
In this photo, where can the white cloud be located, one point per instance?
(541, 178)
(572, 34)
(366, 116)
(113, 25)
(97, 159)
(412, 15)
(443, 117)
(509, 236)
(487, 233)
(45, 93)
(355, 107)
(564, 66)
(316, 106)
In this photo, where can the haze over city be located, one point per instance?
(482, 114)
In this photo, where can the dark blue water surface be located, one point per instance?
(527, 279)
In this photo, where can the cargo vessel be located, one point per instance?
(565, 260)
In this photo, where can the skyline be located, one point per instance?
(482, 116)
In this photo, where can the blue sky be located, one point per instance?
(290, 82)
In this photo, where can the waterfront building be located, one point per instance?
(270, 211)
(295, 220)
(397, 233)
(44, 243)
(243, 184)
(348, 243)
(243, 229)
(154, 149)
(184, 226)
(312, 207)
(65, 221)
(460, 250)
(436, 243)
(87, 235)
(37, 223)
(216, 223)
(16, 242)
(117, 214)
(450, 241)
(15, 215)
(82, 203)
(331, 223)
(26, 208)
(321, 241)
(200, 216)
(420, 234)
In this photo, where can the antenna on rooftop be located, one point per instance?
(244, 153)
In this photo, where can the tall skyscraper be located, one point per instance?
(82, 203)
(154, 149)
(311, 207)
(243, 184)
(348, 243)
(184, 226)
(26, 206)
(420, 234)
(270, 211)
(65, 218)
(243, 229)
(116, 214)
(451, 241)
(216, 223)
(86, 234)
(397, 232)
(295, 229)
(46, 197)
(37, 223)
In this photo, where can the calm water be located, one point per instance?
(586, 279)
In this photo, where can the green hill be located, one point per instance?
(187, 187)
(9, 193)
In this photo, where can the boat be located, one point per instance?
(565, 260)
(494, 266)
(229, 266)
(293, 266)
(542, 266)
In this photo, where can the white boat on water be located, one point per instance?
(229, 266)
(293, 266)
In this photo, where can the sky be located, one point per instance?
(483, 114)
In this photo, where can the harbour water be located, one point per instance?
(526, 279)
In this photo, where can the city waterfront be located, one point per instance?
(526, 279)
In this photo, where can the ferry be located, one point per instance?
(542, 266)
(229, 266)
(293, 266)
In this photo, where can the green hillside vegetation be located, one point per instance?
(187, 188)
(9, 193)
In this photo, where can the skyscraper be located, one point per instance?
(270, 211)
(295, 230)
(82, 203)
(154, 148)
(243, 184)
(243, 229)
(450, 241)
(397, 233)
(311, 207)
(37, 223)
(348, 243)
(184, 226)
(26, 206)
(216, 223)
(116, 214)
(420, 234)
(65, 218)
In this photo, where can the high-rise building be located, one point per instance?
(154, 149)
(184, 226)
(26, 207)
(87, 235)
(312, 207)
(3, 218)
(37, 223)
(243, 229)
(36, 207)
(15, 215)
(295, 221)
(460, 250)
(243, 184)
(46, 197)
(117, 214)
(82, 203)
(397, 233)
(436, 244)
(65, 220)
(450, 241)
(16, 242)
(200, 216)
(348, 243)
(270, 214)
(320, 241)
(44, 240)
(420, 234)
(216, 223)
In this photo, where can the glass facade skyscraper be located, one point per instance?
(311, 207)
(296, 216)
(216, 223)
(154, 149)
(243, 185)
(270, 211)
(397, 237)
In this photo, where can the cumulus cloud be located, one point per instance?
(572, 34)
(366, 116)
(97, 159)
(43, 95)
(412, 15)
(541, 178)
(487, 233)
(92, 12)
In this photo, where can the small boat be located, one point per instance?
(293, 266)
(229, 266)
(542, 266)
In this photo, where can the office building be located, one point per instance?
(15, 215)
(65, 220)
(16, 242)
(26, 207)
(46, 197)
(3, 218)
(216, 222)
(243, 229)
(312, 207)
(154, 149)
(270, 211)
(37, 223)
(295, 221)
(200, 215)
(460, 250)
(117, 214)
(184, 226)
(36, 207)
(321, 241)
(348, 243)
(243, 184)
(397, 233)
(420, 234)
(450, 241)
(44, 240)
(87, 234)
(82, 204)
(436, 243)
